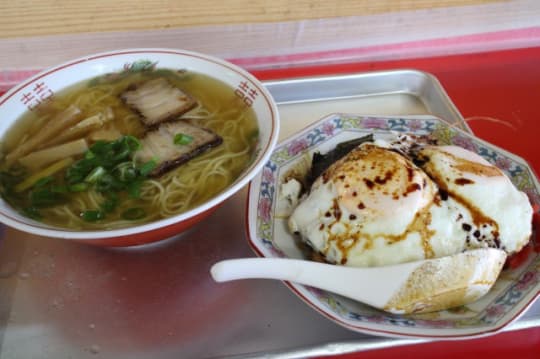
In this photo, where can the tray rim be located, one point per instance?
(363, 75)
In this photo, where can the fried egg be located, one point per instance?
(377, 207)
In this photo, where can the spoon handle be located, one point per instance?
(373, 286)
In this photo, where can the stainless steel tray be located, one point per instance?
(405, 92)
(60, 299)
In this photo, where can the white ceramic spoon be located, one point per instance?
(422, 286)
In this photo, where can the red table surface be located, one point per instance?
(497, 92)
(499, 95)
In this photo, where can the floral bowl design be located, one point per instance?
(515, 290)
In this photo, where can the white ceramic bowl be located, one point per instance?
(27, 94)
(514, 291)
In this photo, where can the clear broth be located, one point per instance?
(174, 192)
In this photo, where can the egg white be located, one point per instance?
(376, 207)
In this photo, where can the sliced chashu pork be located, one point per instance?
(157, 100)
(158, 144)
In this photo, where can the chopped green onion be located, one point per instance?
(92, 215)
(59, 189)
(132, 143)
(78, 187)
(79, 170)
(123, 148)
(96, 174)
(107, 167)
(182, 139)
(121, 156)
(89, 155)
(108, 183)
(98, 147)
(43, 181)
(44, 197)
(134, 213)
(134, 189)
(125, 172)
(147, 167)
(110, 203)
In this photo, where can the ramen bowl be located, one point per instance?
(44, 87)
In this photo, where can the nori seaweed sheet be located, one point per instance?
(320, 162)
